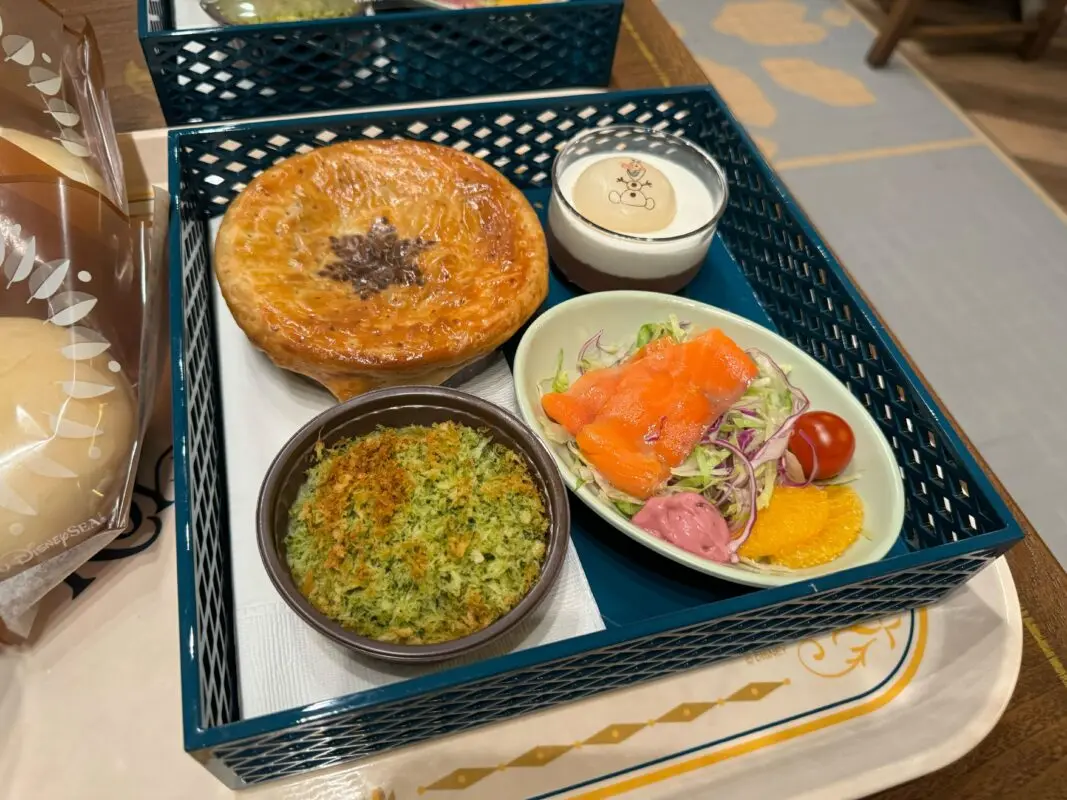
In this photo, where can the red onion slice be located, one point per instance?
(593, 341)
(736, 543)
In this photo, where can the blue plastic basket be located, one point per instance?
(235, 72)
(767, 263)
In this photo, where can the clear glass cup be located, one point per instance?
(597, 258)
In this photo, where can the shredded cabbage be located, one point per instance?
(757, 427)
(560, 381)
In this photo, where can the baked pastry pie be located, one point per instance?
(377, 263)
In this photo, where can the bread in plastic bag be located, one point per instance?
(76, 297)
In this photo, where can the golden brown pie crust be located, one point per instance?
(480, 265)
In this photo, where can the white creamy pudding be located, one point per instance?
(621, 194)
(637, 216)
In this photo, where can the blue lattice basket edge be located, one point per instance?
(201, 740)
(551, 654)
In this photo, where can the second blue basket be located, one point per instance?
(242, 71)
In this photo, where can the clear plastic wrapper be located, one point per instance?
(79, 288)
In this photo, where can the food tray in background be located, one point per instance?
(767, 263)
(270, 69)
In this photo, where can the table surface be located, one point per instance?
(1023, 756)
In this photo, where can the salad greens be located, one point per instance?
(560, 381)
(739, 459)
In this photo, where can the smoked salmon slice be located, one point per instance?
(686, 414)
(637, 421)
(712, 360)
(637, 402)
(715, 363)
(629, 467)
(654, 407)
(656, 349)
(580, 404)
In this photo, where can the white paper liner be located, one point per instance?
(282, 663)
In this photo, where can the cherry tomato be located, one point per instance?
(824, 440)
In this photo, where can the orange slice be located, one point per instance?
(794, 516)
(842, 528)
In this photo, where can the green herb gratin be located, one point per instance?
(417, 535)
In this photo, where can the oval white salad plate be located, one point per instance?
(567, 326)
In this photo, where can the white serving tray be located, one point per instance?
(914, 693)
(885, 704)
(901, 712)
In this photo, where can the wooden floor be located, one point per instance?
(1022, 105)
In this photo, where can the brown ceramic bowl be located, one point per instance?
(397, 407)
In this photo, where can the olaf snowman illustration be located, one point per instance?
(634, 192)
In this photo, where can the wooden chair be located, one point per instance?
(900, 23)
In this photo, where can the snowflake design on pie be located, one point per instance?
(375, 260)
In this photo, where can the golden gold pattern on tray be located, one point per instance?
(846, 653)
(801, 727)
(541, 755)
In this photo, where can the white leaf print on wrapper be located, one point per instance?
(83, 390)
(47, 279)
(83, 351)
(75, 148)
(63, 112)
(87, 344)
(71, 307)
(19, 263)
(45, 81)
(69, 429)
(19, 49)
(47, 468)
(11, 500)
(74, 142)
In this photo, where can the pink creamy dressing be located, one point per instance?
(690, 522)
